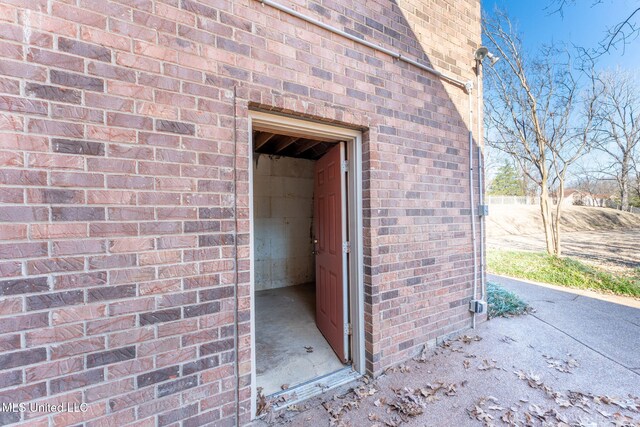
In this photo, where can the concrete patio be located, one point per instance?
(574, 359)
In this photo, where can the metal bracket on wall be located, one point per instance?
(348, 330)
(345, 166)
(483, 210)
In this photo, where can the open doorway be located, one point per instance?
(307, 304)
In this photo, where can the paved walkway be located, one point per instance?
(607, 325)
(575, 360)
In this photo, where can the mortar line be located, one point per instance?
(586, 345)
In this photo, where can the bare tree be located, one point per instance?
(617, 128)
(587, 183)
(636, 178)
(618, 36)
(532, 104)
(594, 184)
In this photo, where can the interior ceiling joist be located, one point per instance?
(291, 145)
(261, 139)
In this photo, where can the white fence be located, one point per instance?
(535, 200)
(634, 210)
(512, 200)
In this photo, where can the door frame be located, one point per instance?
(352, 222)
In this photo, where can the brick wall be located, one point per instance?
(125, 198)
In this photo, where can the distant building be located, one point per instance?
(582, 198)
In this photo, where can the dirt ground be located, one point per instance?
(510, 220)
(602, 237)
(504, 375)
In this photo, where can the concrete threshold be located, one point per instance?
(313, 388)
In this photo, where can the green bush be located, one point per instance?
(501, 302)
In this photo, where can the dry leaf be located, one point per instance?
(424, 355)
(380, 402)
(468, 340)
(451, 390)
(507, 339)
(486, 365)
(393, 422)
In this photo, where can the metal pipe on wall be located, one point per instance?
(483, 280)
(363, 42)
(483, 285)
(472, 200)
(236, 368)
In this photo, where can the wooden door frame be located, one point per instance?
(354, 267)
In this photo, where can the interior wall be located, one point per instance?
(283, 220)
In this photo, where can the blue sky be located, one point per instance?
(584, 23)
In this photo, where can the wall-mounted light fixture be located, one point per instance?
(482, 52)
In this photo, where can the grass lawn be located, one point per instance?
(541, 267)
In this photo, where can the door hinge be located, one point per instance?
(345, 166)
(346, 247)
(348, 330)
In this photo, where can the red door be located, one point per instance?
(330, 281)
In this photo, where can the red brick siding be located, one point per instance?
(117, 222)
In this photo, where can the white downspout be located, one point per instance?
(483, 280)
(472, 200)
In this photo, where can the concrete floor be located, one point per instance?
(285, 325)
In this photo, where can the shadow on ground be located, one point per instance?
(616, 250)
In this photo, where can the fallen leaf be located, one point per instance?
(479, 414)
(507, 339)
(509, 418)
(565, 366)
(451, 390)
(393, 422)
(423, 356)
(404, 368)
(486, 365)
(379, 402)
(468, 340)
(263, 404)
